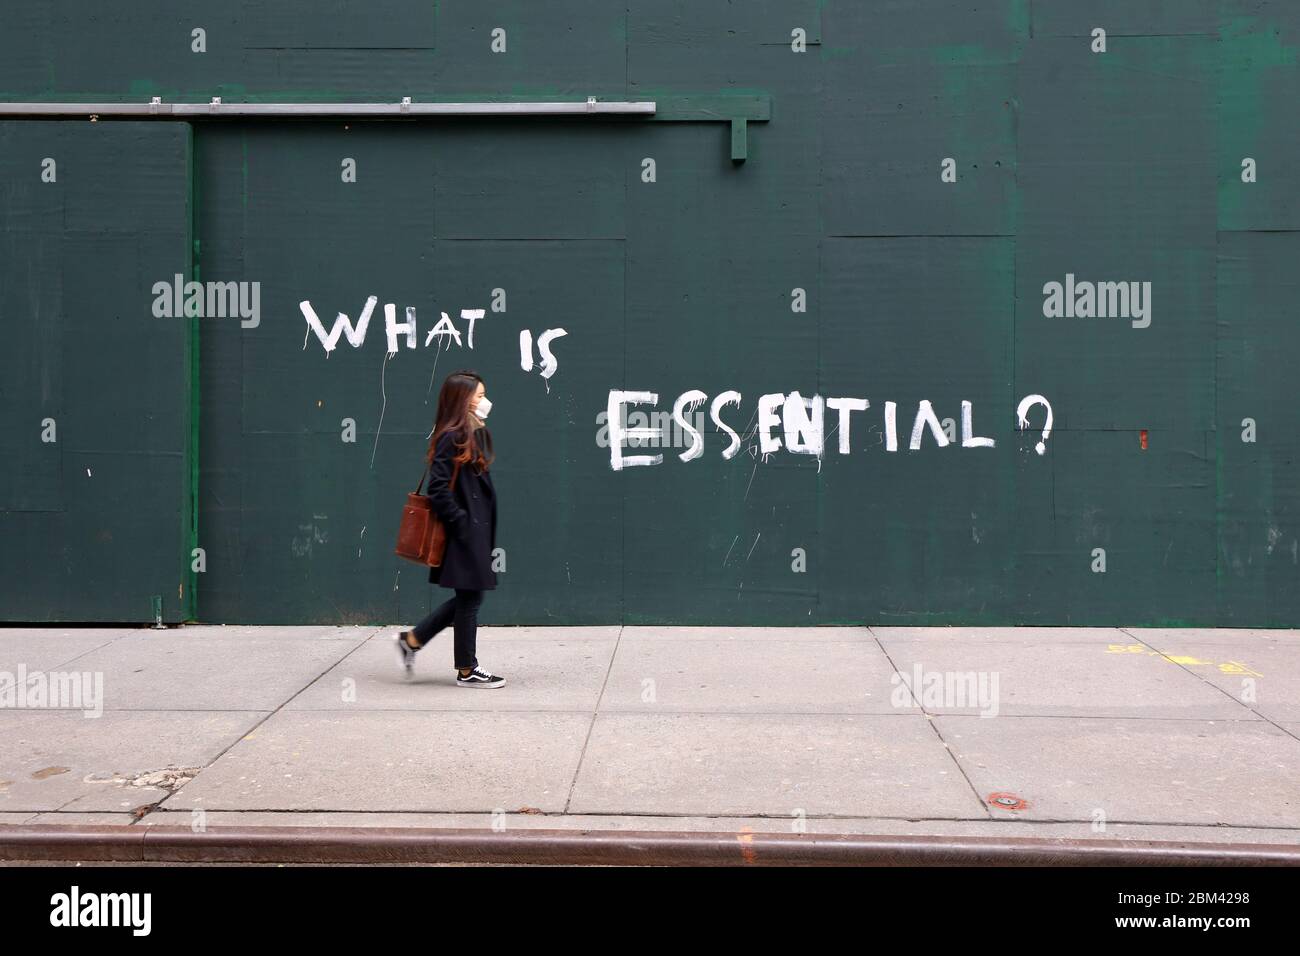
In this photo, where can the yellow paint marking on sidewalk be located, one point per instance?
(1232, 667)
(1229, 667)
(1191, 661)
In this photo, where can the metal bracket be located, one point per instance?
(739, 139)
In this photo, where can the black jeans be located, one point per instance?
(460, 611)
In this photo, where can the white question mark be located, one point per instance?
(1028, 402)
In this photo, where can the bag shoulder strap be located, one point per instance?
(452, 484)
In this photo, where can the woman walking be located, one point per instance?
(460, 491)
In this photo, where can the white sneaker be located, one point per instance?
(406, 654)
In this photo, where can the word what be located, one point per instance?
(356, 334)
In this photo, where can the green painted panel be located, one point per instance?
(1100, 211)
(1258, 88)
(1122, 19)
(835, 260)
(1258, 428)
(97, 523)
(517, 47)
(940, 519)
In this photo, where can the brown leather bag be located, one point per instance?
(421, 536)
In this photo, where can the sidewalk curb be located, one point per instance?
(389, 845)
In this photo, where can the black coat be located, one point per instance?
(469, 511)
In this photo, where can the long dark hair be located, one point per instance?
(453, 416)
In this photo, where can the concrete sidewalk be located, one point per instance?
(1086, 733)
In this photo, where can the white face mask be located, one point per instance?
(483, 407)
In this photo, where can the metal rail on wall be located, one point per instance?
(738, 110)
(156, 107)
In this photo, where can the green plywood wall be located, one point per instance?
(96, 507)
(1110, 166)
